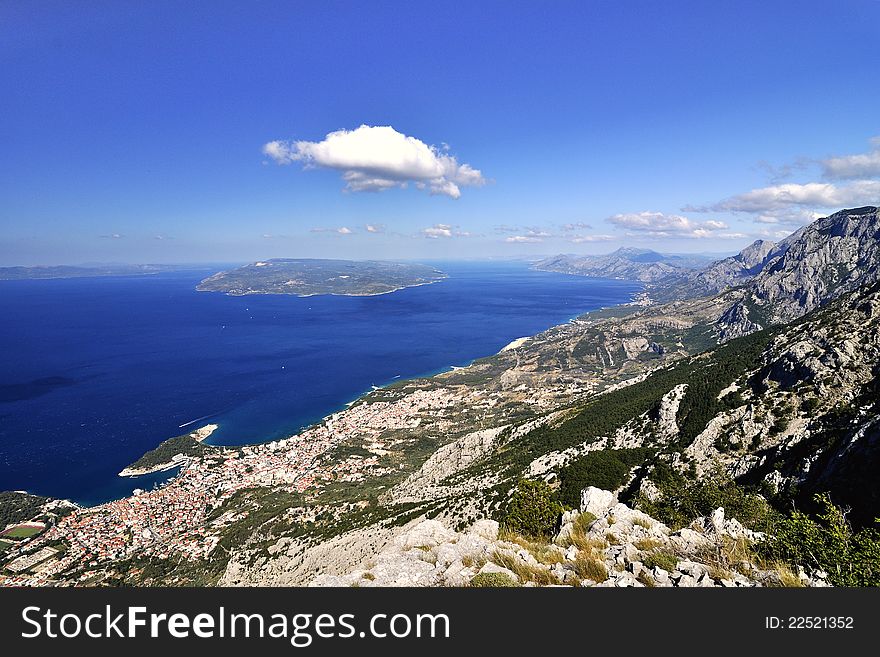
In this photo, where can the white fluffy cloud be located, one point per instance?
(376, 158)
(341, 230)
(658, 224)
(852, 167)
(374, 228)
(810, 195)
(437, 230)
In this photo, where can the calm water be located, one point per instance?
(97, 371)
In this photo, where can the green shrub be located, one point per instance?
(665, 560)
(532, 511)
(493, 580)
(583, 521)
(683, 500)
(827, 543)
(607, 469)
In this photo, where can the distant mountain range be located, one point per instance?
(626, 263)
(791, 276)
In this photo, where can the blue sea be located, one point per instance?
(96, 371)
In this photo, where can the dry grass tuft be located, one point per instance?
(588, 567)
(526, 572)
(787, 578)
(646, 544)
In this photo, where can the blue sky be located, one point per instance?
(184, 132)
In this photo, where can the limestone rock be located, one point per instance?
(597, 501)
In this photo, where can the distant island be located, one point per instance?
(71, 271)
(307, 277)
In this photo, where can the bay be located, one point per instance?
(97, 371)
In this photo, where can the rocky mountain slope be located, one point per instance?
(603, 543)
(833, 255)
(723, 274)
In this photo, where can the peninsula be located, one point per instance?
(308, 277)
(171, 453)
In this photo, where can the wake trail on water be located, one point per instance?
(198, 419)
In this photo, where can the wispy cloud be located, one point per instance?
(846, 181)
(659, 224)
(374, 228)
(579, 239)
(528, 236)
(580, 225)
(377, 158)
(112, 236)
(341, 230)
(852, 167)
(789, 217)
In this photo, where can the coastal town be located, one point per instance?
(170, 521)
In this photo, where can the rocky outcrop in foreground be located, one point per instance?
(605, 543)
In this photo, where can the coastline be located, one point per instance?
(355, 400)
(178, 460)
(162, 467)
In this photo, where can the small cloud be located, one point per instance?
(580, 225)
(374, 228)
(344, 230)
(162, 237)
(112, 236)
(438, 231)
(658, 224)
(377, 158)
